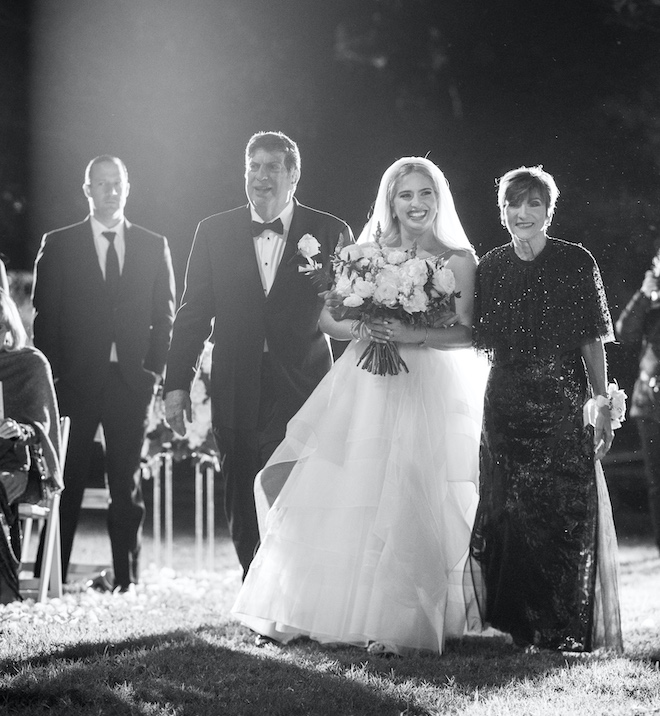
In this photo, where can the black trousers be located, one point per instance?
(122, 411)
(649, 433)
(244, 452)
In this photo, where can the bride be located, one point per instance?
(366, 541)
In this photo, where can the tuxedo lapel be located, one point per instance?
(294, 235)
(288, 264)
(244, 256)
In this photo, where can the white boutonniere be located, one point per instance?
(309, 248)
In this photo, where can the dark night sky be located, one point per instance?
(176, 87)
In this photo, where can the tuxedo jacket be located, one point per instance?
(76, 322)
(223, 286)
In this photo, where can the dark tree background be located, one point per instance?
(176, 87)
(14, 131)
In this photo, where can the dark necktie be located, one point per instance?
(276, 226)
(111, 264)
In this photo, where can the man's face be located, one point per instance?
(268, 184)
(107, 192)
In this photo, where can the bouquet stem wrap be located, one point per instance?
(382, 359)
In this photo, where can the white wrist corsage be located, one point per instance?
(615, 400)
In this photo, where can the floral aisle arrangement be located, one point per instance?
(376, 281)
(198, 442)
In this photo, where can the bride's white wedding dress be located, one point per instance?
(368, 538)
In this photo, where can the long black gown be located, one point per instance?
(537, 534)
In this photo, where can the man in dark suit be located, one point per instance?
(104, 298)
(269, 353)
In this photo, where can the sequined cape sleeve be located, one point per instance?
(539, 308)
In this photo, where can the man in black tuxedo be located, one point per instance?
(269, 353)
(104, 297)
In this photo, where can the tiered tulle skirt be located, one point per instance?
(368, 536)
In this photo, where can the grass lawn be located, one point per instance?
(171, 647)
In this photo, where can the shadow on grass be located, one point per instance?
(182, 673)
(218, 671)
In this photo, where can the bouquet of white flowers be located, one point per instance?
(381, 281)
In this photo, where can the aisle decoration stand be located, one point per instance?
(162, 448)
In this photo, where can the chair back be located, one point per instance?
(49, 583)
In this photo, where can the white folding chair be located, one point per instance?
(49, 583)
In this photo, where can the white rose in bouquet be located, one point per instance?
(418, 270)
(370, 250)
(352, 252)
(396, 256)
(444, 281)
(416, 302)
(363, 288)
(387, 290)
(353, 301)
(344, 285)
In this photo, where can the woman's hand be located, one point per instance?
(603, 433)
(380, 330)
(9, 429)
(386, 330)
(593, 353)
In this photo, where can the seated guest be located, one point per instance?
(29, 428)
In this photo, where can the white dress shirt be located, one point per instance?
(269, 246)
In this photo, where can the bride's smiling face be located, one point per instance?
(415, 204)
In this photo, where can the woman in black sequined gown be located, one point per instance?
(543, 525)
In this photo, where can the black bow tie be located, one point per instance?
(276, 226)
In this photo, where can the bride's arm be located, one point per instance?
(339, 330)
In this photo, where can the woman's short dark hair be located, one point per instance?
(517, 184)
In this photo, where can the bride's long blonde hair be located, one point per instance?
(447, 227)
(392, 229)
